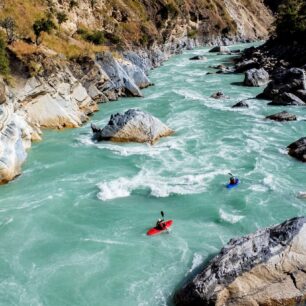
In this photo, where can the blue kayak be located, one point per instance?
(230, 186)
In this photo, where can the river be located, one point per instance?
(73, 225)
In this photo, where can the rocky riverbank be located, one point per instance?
(63, 94)
(264, 268)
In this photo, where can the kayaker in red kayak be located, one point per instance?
(160, 224)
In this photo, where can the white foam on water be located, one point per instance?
(196, 262)
(157, 184)
(231, 218)
(106, 241)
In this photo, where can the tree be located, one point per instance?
(42, 25)
(9, 25)
(61, 17)
(290, 24)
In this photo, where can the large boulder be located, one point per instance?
(246, 65)
(285, 81)
(285, 98)
(298, 149)
(132, 126)
(282, 116)
(264, 268)
(256, 77)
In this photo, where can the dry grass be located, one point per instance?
(24, 12)
(71, 48)
(21, 48)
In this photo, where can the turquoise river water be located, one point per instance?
(73, 225)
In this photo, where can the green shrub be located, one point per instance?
(42, 25)
(95, 37)
(4, 62)
(61, 17)
(192, 33)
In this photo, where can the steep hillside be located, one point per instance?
(87, 24)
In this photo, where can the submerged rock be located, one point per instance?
(219, 95)
(297, 149)
(282, 116)
(221, 49)
(241, 104)
(264, 268)
(256, 77)
(198, 58)
(132, 126)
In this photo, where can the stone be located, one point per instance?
(267, 267)
(256, 77)
(241, 104)
(198, 58)
(287, 99)
(219, 95)
(222, 49)
(285, 81)
(246, 65)
(132, 126)
(282, 116)
(297, 149)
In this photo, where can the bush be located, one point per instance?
(61, 17)
(42, 25)
(4, 62)
(95, 37)
(290, 24)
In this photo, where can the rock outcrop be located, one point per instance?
(288, 81)
(298, 149)
(15, 136)
(132, 126)
(285, 98)
(256, 77)
(264, 268)
(282, 116)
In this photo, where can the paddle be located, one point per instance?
(163, 215)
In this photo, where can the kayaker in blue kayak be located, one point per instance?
(233, 180)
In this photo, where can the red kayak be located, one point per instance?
(156, 231)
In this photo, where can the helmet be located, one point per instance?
(159, 220)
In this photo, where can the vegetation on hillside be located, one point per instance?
(4, 63)
(290, 24)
